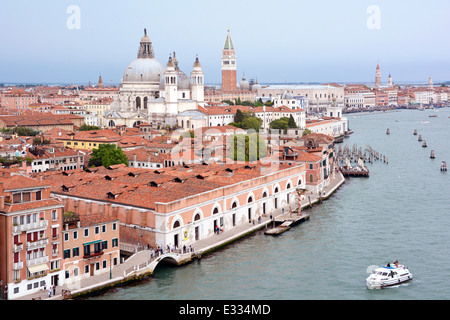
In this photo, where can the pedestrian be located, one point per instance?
(49, 292)
(54, 289)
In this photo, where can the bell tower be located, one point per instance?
(197, 82)
(229, 81)
(171, 87)
(378, 76)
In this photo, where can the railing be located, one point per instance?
(35, 261)
(157, 254)
(93, 255)
(37, 244)
(41, 224)
(18, 247)
(17, 265)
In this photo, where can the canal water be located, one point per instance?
(401, 212)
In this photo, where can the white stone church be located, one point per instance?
(151, 93)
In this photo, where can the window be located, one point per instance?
(38, 195)
(87, 250)
(115, 242)
(97, 247)
(76, 252)
(75, 234)
(66, 237)
(97, 230)
(66, 254)
(104, 245)
(54, 214)
(104, 228)
(86, 232)
(114, 226)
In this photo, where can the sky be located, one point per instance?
(277, 41)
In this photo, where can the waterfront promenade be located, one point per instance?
(141, 263)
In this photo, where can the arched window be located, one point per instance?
(176, 224)
(250, 200)
(276, 190)
(288, 186)
(234, 205)
(311, 178)
(299, 182)
(138, 102)
(145, 102)
(216, 210)
(111, 123)
(197, 217)
(264, 194)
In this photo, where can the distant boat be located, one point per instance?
(433, 115)
(424, 144)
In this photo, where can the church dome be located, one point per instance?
(244, 85)
(143, 70)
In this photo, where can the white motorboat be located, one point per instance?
(387, 276)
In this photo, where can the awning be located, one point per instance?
(96, 241)
(38, 268)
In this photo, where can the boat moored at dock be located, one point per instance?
(388, 276)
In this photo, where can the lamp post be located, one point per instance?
(110, 267)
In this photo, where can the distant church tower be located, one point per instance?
(430, 83)
(378, 76)
(229, 80)
(390, 83)
(100, 82)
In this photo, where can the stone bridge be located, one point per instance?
(149, 266)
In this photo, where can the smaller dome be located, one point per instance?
(183, 82)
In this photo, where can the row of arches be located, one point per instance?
(250, 199)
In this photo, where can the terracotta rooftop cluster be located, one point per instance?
(144, 187)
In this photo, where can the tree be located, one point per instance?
(239, 116)
(24, 131)
(291, 122)
(280, 124)
(87, 127)
(251, 123)
(229, 102)
(107, 155)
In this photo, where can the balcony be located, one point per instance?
(36, 261)
(18, 265)
(41, 224)
(37, 244)
(18, 247)
(93, 255)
